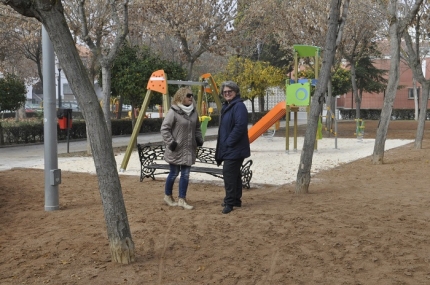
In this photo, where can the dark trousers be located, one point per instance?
(232, 181)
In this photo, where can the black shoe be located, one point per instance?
(227, 209)
(235, 205)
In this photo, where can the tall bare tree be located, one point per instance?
(20, 45)
(103, 27)
(399, 15)
(51, 15)
(363, 24)
(416, 67)
(336, 23)
(419, 31)
(290, 22)
(198, 26)
(20, 49)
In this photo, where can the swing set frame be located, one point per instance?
(157, 83)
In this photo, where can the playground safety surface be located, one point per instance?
(360, 224)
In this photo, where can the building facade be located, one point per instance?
(404, 99)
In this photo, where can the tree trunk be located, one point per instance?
(190, 69)
(119, 110)
(423, 114)
(304, 171)
(329, 109)
(89, 151)
(358, 104)
(414, 86)
(118, 230)
(261, 103)
(417, 50)
(396, 29)
(252, 110)
(1, 133)
(106, 77)
(355, 89)
(419, 74)
(119, 235)
(390, 94)
(20, 114)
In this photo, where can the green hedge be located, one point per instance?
(21, 133)
(32, 132)
(366, 114)
(26, 132)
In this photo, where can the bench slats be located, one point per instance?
(217, 172)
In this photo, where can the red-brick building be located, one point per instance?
(404, 99)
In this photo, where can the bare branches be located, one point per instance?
(198, 26)
(19, 43)
(122, 27)
(102, 27)
(342, 21)
(360, 31)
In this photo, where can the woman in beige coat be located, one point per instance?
(181, 135)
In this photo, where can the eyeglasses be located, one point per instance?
(226, 92)
(189, 95)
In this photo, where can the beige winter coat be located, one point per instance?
(185, 130)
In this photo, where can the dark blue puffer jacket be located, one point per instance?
(233, 141)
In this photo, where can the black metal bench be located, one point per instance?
(148, 154)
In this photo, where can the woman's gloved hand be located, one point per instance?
(173, 146)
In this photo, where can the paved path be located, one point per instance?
(27, 155)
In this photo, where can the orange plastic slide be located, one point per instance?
(267, 121)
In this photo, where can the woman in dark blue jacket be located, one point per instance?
(232, 144)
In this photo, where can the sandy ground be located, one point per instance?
(360, 223)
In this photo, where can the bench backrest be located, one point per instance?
(206, 155)
(156, 152)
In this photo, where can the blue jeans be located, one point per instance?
(183, 181)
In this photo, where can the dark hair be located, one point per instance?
(232, 85)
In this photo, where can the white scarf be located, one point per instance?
(186, 109)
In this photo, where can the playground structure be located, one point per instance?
(267, 121)
(158, 83)
(298, 95)
(359, 129)
(298, 91)
(202, 109)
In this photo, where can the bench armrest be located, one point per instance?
(246, 173)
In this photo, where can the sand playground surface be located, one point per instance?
(359, 224)
(271, 163)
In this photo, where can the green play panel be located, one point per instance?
(299, 94)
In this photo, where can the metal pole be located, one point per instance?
(287, 128)
(59, 88)
(336, 117)
(52, 173)
(295, 130)
(69, 118)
